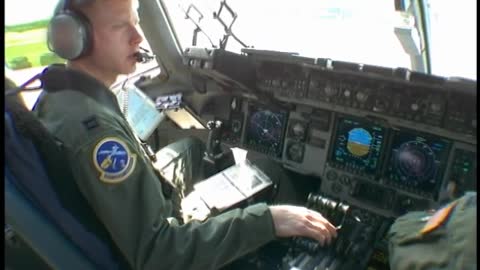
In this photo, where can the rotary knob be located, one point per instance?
(314, 84)
(414, 107)
(298, 130)
(345, 180)
(330, 91)
(295, 152)
(332, 175)
(236, 126)
(276, 83)
(381, 105)
(361, 96)
(435, 107)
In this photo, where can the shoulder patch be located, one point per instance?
(113, 160)
(439, 218)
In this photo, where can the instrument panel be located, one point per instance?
(382, 142)
(385, 168)
(386, 140)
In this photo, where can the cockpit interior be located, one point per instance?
(368, 142)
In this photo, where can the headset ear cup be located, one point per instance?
(68, 35)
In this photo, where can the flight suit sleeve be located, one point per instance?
(126, 195)
(445, 239)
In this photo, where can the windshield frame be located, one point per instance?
(397, 56)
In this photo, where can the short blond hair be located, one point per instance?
(84, 6)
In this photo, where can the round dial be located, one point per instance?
(362, 96)
(295, 152)
(265, 130)
(236, 126)
(415, 161)
(381, 104)
(298, 130)
(330, 90)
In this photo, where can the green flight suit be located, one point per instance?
(450, 245)
(126, 194)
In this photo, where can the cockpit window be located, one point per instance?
(345, 30)
(454, 38)
(26, 51)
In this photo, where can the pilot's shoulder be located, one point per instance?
(78, 120)
(73, 102)
(86, 130)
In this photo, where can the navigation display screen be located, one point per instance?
(417, 160)
(357, 145)
(265, 130)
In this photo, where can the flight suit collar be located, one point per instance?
(59, 77)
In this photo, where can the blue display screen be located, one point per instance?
(357, 146)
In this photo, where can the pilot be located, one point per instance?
(442, 239)
(119, 181)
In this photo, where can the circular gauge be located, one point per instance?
(266, 129)
(295, 152)
(381, 104)
(236, 126)
(415, 161)
(314, 84)
(330, 90)
(298, 130)
(362, 96)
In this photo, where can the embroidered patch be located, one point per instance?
(113, 160)
(439, 218)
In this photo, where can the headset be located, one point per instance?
(69, 33)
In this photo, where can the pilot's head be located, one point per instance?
(112, 41)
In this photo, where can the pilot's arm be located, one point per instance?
(126, 195)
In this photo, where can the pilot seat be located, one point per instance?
(48, 222)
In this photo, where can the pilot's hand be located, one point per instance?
(300, 221)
